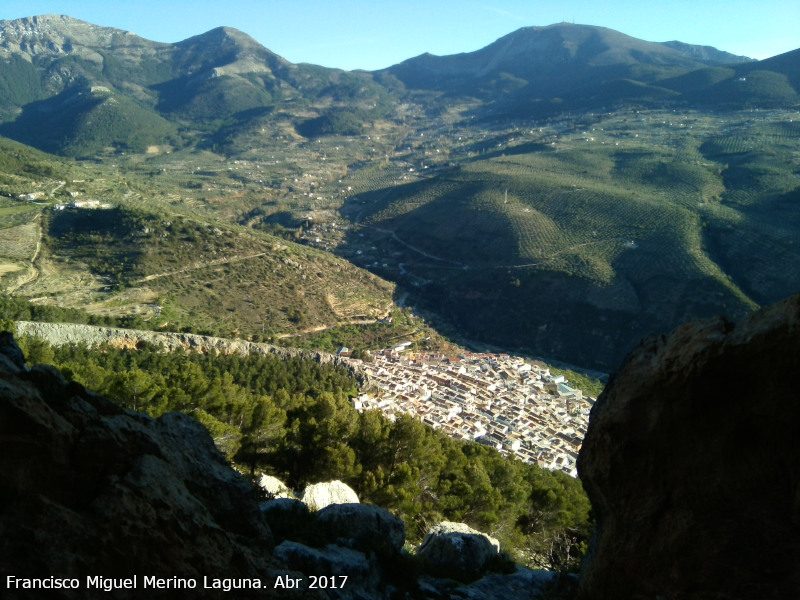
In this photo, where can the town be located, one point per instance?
(519, 408)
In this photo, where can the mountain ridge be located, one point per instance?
(225, 74)
(540, 51)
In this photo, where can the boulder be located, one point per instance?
(522, 583)
(320, 495)
(345, 573)
(692, 464)
(288, 518)
(274, 487)
(365, 527)
(284, 505)
(455, 549)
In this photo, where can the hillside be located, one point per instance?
(74, 88)
(574, 239)
(83, 237)
(548, 60)
(195, 274)
(547, 70)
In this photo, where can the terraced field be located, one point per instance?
(20, 241)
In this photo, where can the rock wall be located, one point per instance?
(692, 464)
(59, 334)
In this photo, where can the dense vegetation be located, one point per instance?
(294, 419)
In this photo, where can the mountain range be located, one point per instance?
(564, 190)
(71, 87)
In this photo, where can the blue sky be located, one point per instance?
(372, 34)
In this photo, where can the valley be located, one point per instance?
(567, 239)
(517, 207)
(358, 275)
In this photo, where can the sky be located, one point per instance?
(373, 34)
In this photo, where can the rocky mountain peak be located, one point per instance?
(226, 35)
(57, 34)
(229, 51)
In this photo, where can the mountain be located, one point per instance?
(767, 83)
(536, 69)
(551, 60)
(74, 88)
(707, 53)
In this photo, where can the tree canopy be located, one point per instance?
(293, 418)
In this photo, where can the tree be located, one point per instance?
(7, 325)
(36, 350)
(133, 389)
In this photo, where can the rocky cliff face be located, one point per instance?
(692, 464)
(59, 334)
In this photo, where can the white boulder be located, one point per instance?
(274, 487)
(319, 495)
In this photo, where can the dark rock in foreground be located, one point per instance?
(90, 489)
(692, 465)
(458, 549)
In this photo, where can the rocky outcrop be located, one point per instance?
(521, 583)
(319, 495)
(691, 463)
(365, 527)
(59, 334)
(458, 550)
(336, 566)
(88, 489)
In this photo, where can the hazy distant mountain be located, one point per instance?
(771, 82)
(549, 59)
(567, 66)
